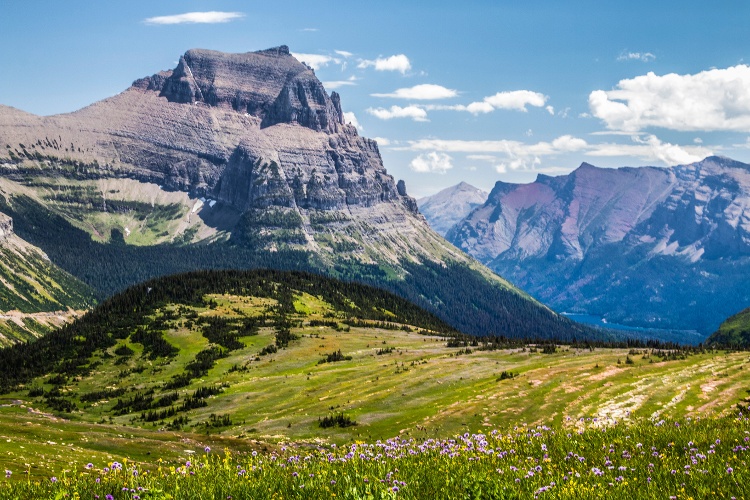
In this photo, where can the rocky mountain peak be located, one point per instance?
(269, 84)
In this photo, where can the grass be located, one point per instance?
(419, 388)
(698, 458)
(578, 401)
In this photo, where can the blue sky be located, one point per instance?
(454, 91)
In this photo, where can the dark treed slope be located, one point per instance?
(238, 161)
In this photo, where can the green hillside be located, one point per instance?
(735, 331)
(271, 355)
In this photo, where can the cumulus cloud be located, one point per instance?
(433, 162)
(425, 91)
(351, 118)
(636, 56)
(211, 17)
(382, 141)
(713, 100)
(343, 53)
(550, 110)
(398, 63)
(414, 112)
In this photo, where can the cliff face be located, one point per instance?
(210, 125)
(647, 245)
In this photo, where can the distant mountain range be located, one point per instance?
(449, 206)
(237, 161)
(652, 247)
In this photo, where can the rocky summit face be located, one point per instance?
(661, 247)
(449, 206)
(237, 160)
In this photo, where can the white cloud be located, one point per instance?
(343, 53)
(563, 144)
(382, 141)
(508, 155)
(414, 112)
(351, 118)
(479, 107)
(516, 99)
(315, 61)
(424, 91)
(550, 110)
(433, 162)
(211, 17)
(504, 155)
(636, 56)
(651, 148)
(336, 84)
(398, 63)
(713, 100)
(311, 30)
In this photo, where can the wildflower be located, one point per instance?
(89, 465)
(8, 473)
(109, 497)
(53, 479)
(207, 449)
(729, 470)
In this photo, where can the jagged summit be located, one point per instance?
(269, 84)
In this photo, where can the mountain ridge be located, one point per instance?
(587, 240)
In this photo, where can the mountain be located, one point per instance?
(238, 161)
(35, 294)
(734, 332)
(657, 247)
(445, 208)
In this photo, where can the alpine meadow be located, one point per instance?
(374, 251)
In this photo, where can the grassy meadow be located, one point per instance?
(430, 420)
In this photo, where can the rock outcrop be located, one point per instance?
(6, 227)
(631, 244)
